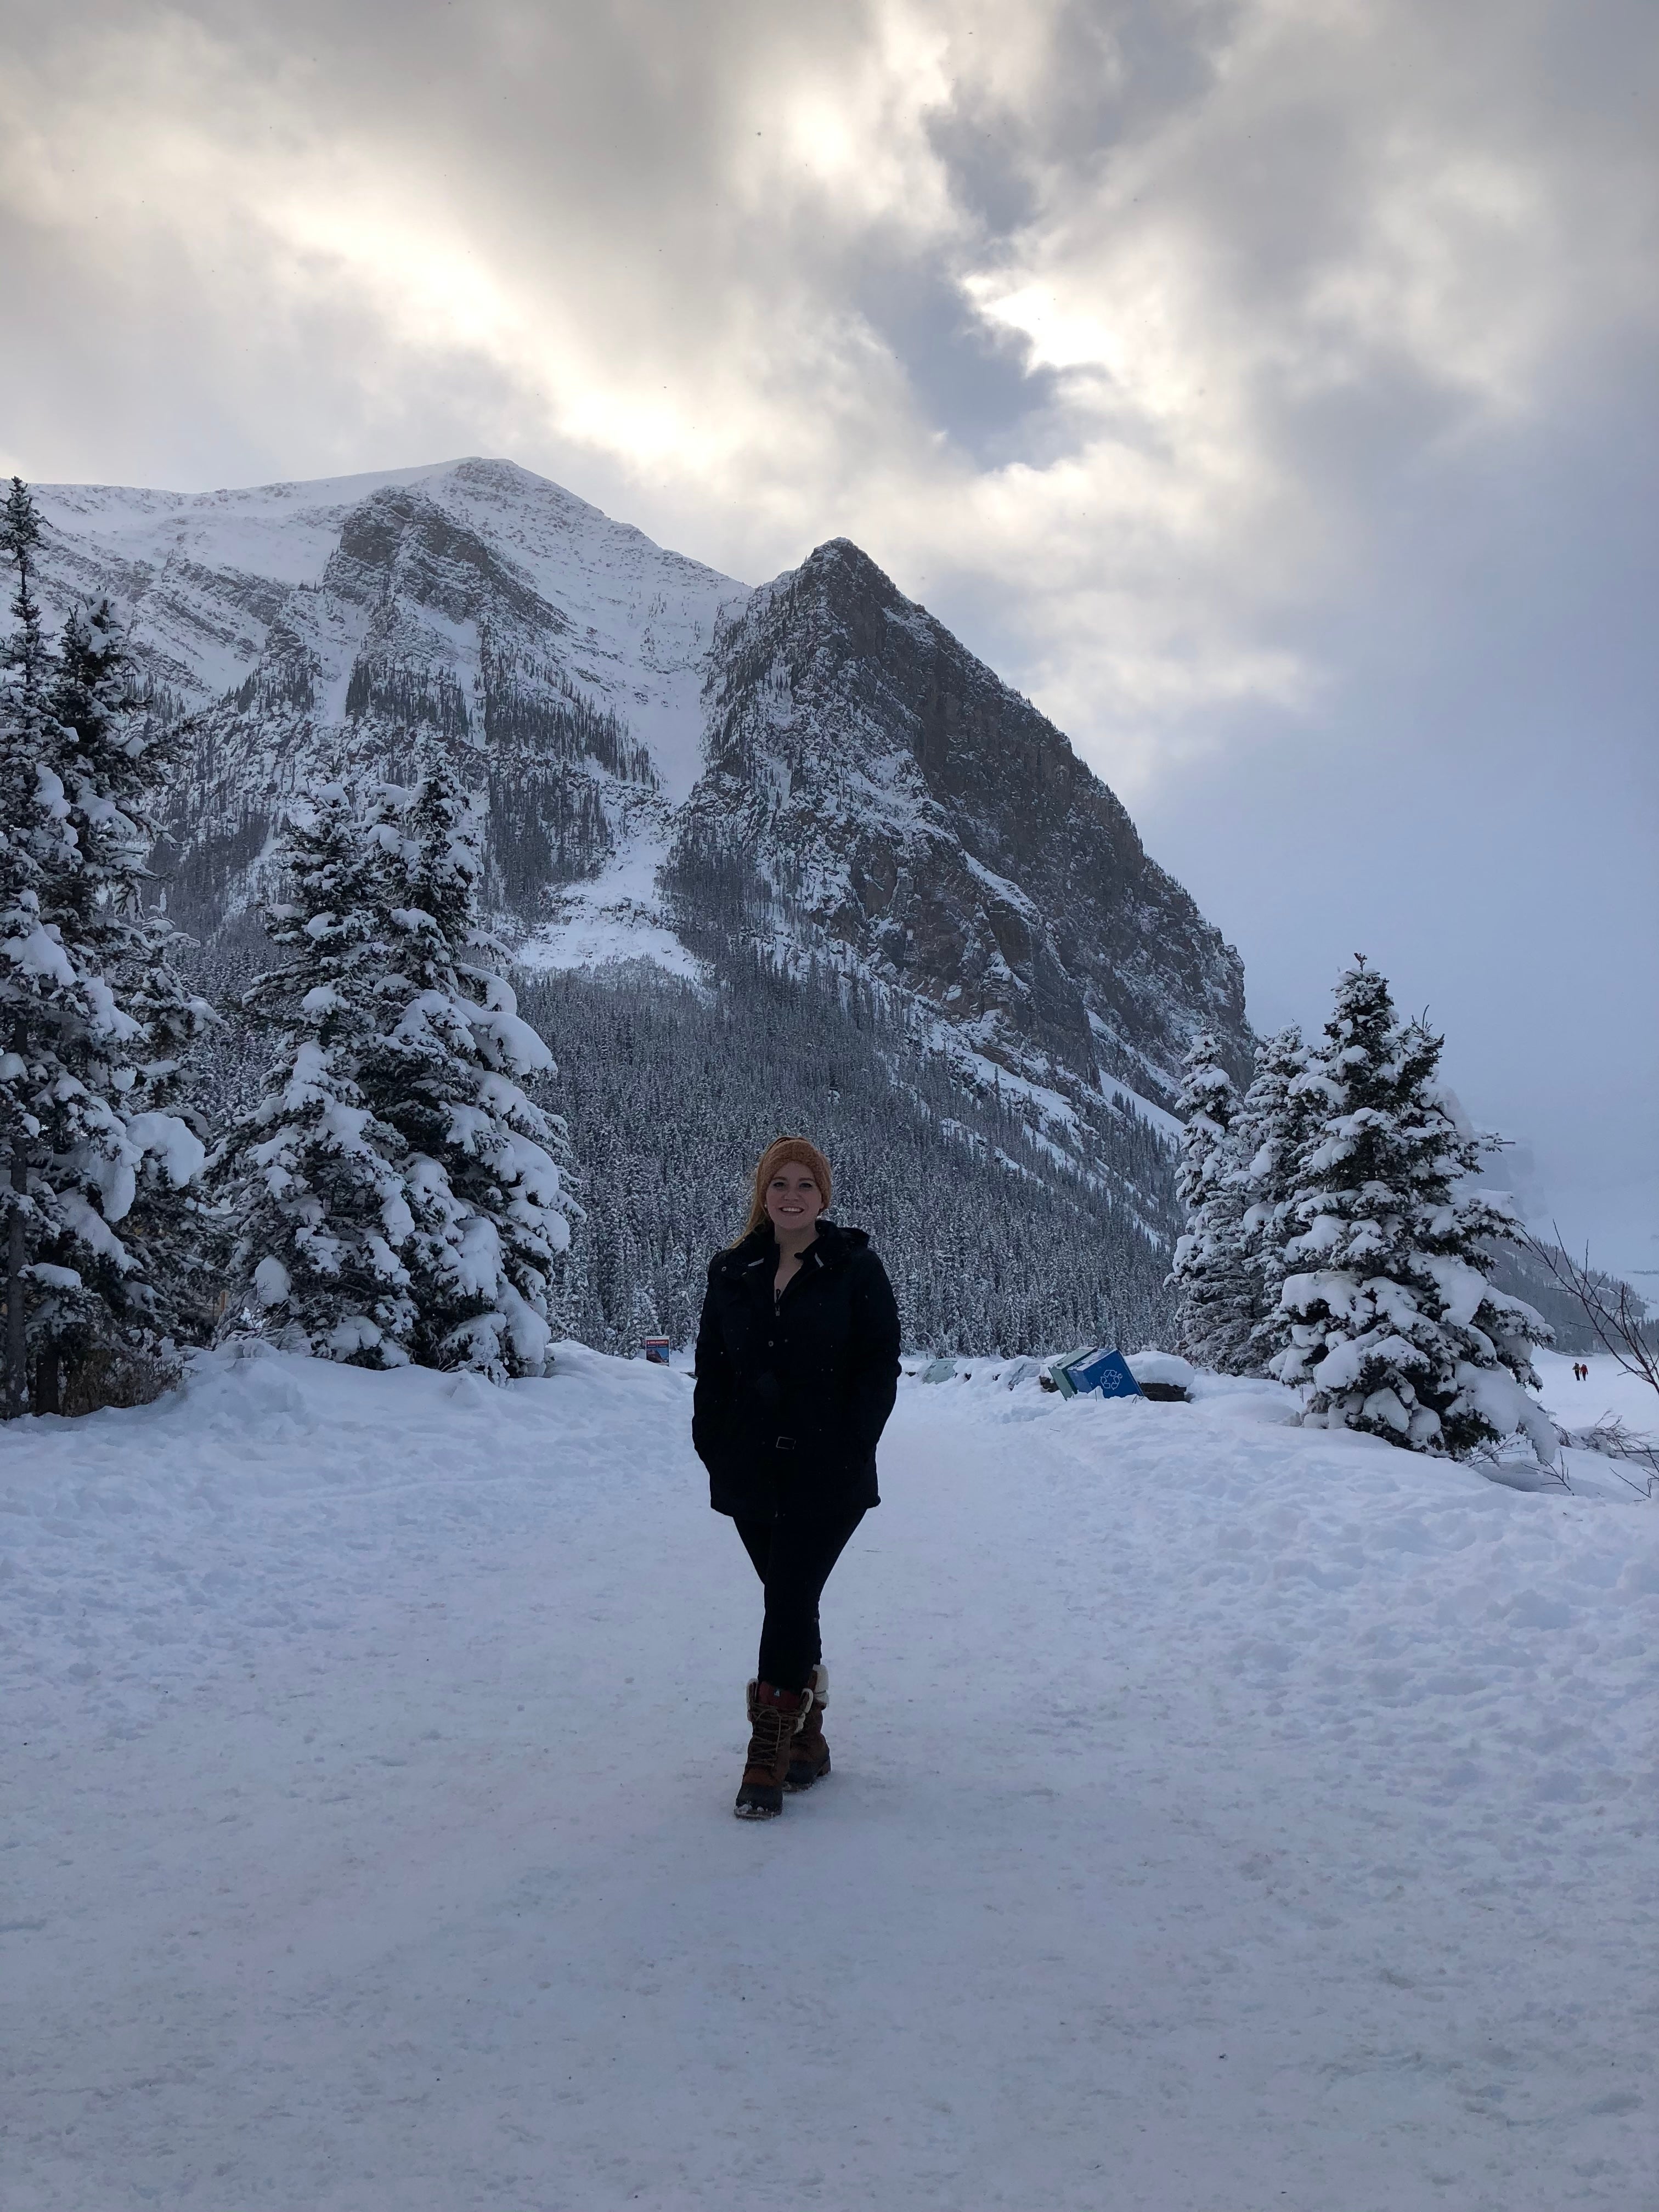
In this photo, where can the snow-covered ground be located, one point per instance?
(1226, 1816)
(1607, 1393)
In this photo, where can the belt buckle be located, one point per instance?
(784, 1444)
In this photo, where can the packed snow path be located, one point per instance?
(1225, 1817)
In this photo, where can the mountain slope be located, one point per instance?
(214, 583)
(811, 787)
(891, 797)
(883, 798)
(307, 626)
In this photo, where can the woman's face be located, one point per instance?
(792, 1199)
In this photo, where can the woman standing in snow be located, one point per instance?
(798, 1361)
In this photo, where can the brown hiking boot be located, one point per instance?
(809, 1755)
(773, 1716)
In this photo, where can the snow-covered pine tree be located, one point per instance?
(489, 1209)
(81, 1135)
(27, 739)
(118, 755)
(1268, 1131)
(1216, 1287)
(1396, 1328)
(311, 1178)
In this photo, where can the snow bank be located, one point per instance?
(1221, 1811)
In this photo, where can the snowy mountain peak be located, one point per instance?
(821, 750)
(901, 806)
(477, 554)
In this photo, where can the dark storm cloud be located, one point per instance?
(1263, 387)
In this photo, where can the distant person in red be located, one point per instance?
(798, 1362)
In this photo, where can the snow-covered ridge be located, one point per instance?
(636, 619)
(816, 768)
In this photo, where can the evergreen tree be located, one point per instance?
(1269, 1130)
(312, 1177)
(1210, 1270)
(118, 756)
(485, 1192)
(82, 1131)
(1394, 1326)
(28, 742)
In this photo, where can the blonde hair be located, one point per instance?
(782, 1153)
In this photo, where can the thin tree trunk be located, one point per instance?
(16, 1354)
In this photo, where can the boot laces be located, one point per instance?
(768, 1735)
(772, 1728)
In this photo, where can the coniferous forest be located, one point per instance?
(346, 1123)
(671, 1093)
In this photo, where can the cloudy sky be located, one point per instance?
(1265, 386)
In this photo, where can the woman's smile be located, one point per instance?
(794, 1201)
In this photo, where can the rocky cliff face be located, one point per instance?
(892, 798)
(675, 765)
(310, 628)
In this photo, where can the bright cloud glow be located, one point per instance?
(1169, 353)
(665, 278)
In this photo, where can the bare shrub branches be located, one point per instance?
(1615, 1312)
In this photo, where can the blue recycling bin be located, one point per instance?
(1104, 1372)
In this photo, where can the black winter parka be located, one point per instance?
(790, 1403)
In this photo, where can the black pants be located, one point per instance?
(793, 1556)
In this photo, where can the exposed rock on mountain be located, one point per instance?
(311, 626)
(825, 769)
(891, 903)
(879, 791)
